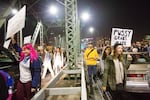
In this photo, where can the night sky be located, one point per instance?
(105, 15)
(130, 14)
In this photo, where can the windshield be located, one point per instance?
(140, 59)
(4, 57)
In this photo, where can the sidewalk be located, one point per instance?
(61, 83)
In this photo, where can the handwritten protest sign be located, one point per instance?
(123, 36)
(16, 23)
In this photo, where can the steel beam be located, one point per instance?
(63, 91)
(72, 71)
(71, 32)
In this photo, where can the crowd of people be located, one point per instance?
(113, 66)
(138, 46)
(53, 60)
(34, 65)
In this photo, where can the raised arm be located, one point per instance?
(15, 45)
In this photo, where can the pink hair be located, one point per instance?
(33, 52)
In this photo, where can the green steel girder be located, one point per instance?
(72, 32)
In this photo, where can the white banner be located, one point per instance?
(27, 39)
(123, 36)
(16, 23)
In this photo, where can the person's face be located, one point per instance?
(90, 46)
(119, 49)
(26, 51)
(138, 44)
(57, 50)
(108, 51)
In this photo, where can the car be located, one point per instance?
(137, 78)
(9, 63)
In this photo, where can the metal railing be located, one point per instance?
(49, 89)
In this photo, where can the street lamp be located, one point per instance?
(85, 16)
(14, 11)
(53, 10)
(91, 29)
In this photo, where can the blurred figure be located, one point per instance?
(134, 50)
(57, 60)
(114, 72)
(91, 56)
(64, 56)
(148, 49)
(139, 47)
(3, 87)
(9, 82)
(30, 71)
(47, 64)
(105, 53)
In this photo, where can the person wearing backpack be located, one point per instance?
(30, 71)
(3, 88)
(91, 56)
(6, 86)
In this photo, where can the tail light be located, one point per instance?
(135, 75)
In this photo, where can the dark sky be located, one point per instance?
(130, 14)
(105, 15)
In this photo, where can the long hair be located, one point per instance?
(59, 50)
(104, 55)
(33, 53)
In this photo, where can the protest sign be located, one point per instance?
(123, 36)
(16, 23)
(6, 44)
(27, 39)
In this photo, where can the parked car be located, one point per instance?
(137, 74)
(9, 63)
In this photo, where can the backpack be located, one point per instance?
(8, 79)
(7, 83)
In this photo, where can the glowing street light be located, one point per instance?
(53, 10)
(91, 29)
(85, 16)
(14, 11)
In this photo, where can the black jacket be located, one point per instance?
(3, 88)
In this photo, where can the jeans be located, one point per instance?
(92, 70)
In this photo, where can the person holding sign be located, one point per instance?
(114, 72)
(30, 71)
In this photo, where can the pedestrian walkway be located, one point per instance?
(45, 80)
(63, 82)
(65, 85)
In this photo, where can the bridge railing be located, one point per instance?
(50, 90)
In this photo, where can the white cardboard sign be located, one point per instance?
(27, 39)
(123, 36)
(16, 23)
(6, 43)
